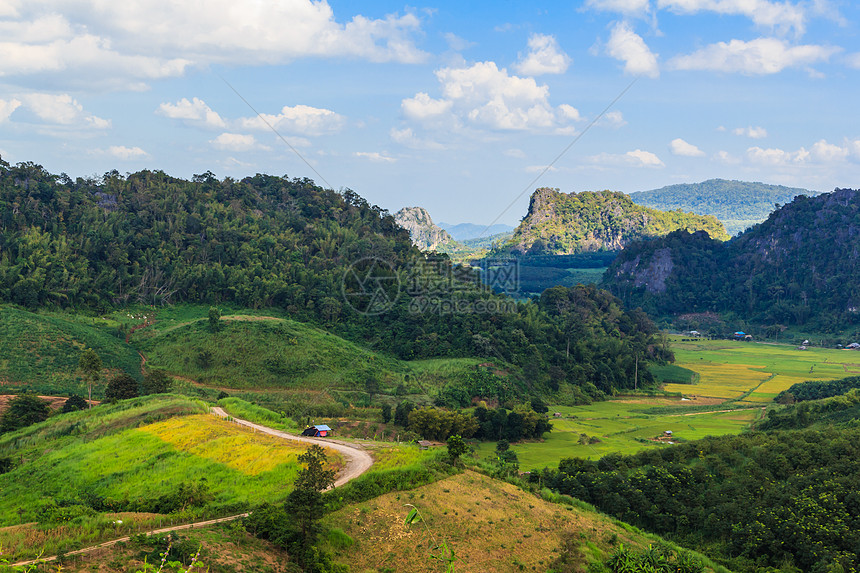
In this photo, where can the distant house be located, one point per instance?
(424, 444)
(739, 335)
(318, 431)
(853, 346)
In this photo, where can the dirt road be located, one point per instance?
(357, 462)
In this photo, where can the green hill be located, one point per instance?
(738, 204)
(562, 224)
(799, 267)
(40, 352)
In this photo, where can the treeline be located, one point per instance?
(799, 267)
(816, 390)
(490, 424)
(755, 501)
(838, 408)
(266, 241)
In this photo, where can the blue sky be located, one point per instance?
(454, 106)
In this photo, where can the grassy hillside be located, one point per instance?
(40, 352)
(153, 459)
(488, 524)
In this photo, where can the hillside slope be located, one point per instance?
(799, 267)
(561, 224)
(738, 204)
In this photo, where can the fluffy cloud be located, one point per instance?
(236, 142)
(760, 56)
(544, 57)
(635, 158)
(408, 138)
(127, 153)
(486, 96)
(149, 39)
(7, 107)
(680, 147)
(820, 152)
(781, 16)
(300, 119)
(375, 156)
(613, 120)
(194, 111)
(62, 110)
(627, 46)
(751, 132)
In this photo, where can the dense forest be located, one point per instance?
(562, 224)
(783, 499)
(266, 241)
(738, 204)
(800, 267)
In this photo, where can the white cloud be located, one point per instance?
(854, 60)
(422, 107)
(515, 153)
(751, 132)
(635, 158)
(127, 153)
(236, 142)
(628, 7)
(775, 156)
(829, 152)
(375, 156)
(62, 110)
(483, 95)
(627, 46)
(540, 169)
(759, 56)
(544, 57)
(408, 138)
(149, 39)
(457, 43)
(302, 119)
(195, 111)
(726, 157)
(680, 147)
(782, 16)
(613, 120)
(821, 152)
(7, 107)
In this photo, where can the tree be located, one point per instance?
(305, 504)
(371, 386)
(214, 319)
(121, 387)
(24, 410)
(90, 365)
(155, 382)
(315, 476)
(456, 448)
(386, 413)
(74, 403)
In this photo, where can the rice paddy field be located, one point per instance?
(733, 383)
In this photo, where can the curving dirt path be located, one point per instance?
(357, 462)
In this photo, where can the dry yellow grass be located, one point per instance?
(490, 525)
(236, 447)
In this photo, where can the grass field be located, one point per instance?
(753, 372)
(40, 352)
(128, 455)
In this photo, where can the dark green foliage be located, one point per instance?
(817, 389)
(456, 448)
(90, 365)
(121, 387)
(222, 394)
(510, 426)
(214, 319)
(754, 500)
(738, 204)
(386, 413)
(839, 408)
(23, 411)
(562, 224)
(181, 549)
(435, 424)
(155, 382)
(262, 241)
(653, 560)
(799, 267)
(315, 476)
(74, 403)
(401, 413)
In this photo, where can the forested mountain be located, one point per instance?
(469, 231)
(425, 234)
(324, 257)
(561, 224)
(799, 267)
(738, 204)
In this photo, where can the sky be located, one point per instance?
(463, 108)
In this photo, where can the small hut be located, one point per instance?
(318, 431)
